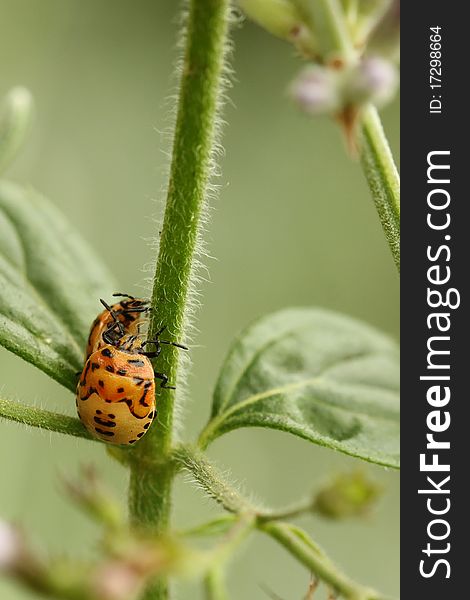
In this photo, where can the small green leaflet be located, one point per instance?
(316, 374)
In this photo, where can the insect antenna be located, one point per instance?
(124, 295)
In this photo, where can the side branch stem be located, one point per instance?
(43, 419)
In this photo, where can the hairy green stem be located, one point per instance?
(200, 88)
(376, 158)
(294, 539)
(289, 512)
(331, 29)
(214, 585)
(297, 543)
(215, 526)
(382, 177)
(43, 419)
(208, 478)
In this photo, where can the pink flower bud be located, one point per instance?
(117, 581)
(11, 546)
(373, 80)
(315, 90)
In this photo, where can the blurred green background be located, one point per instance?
(293, 225)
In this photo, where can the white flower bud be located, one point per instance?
(316, 91)
(373, 80)
(117, 581)
(11, 546)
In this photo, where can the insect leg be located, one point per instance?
(154, 353)
(164, 382)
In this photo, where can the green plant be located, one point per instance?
(315, 374)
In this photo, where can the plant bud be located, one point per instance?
(316, 91)
(349, 495)
(283, 19)
(373, 80)
(11, 547)
(117, 580)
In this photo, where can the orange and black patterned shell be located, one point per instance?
(116, 395)
(124, 311)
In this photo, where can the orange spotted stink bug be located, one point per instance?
(128, 311)
(116, 390)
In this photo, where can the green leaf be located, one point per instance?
(316, 374)
(50, 284)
